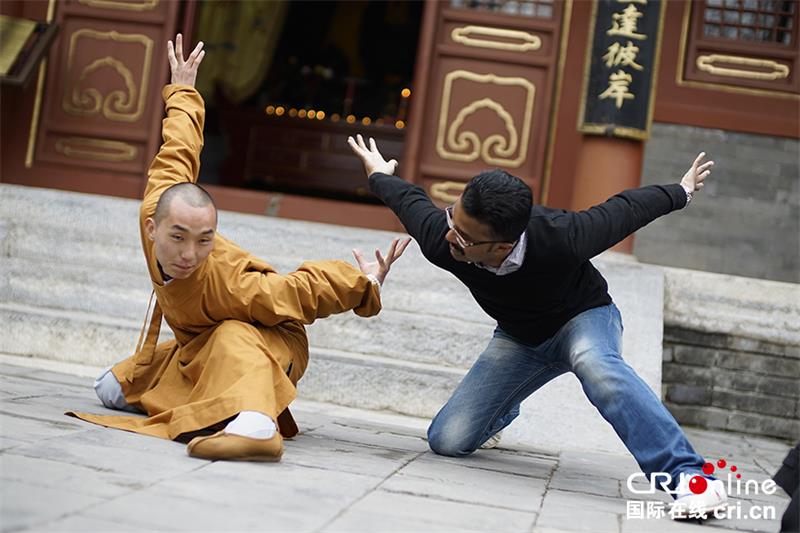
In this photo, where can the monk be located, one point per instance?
(226, 381)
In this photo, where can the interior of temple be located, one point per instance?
(285, 83)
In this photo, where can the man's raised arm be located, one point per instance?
(600, 227)
(178, 159)
(418, 214)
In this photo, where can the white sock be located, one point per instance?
(252, 424)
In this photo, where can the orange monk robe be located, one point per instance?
(238, 324)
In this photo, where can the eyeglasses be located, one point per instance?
(464, 243)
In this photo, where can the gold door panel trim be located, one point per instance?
(95, 149)
(144, 5)
(529, 41)
(496, 149)
(89, 101)
(447, 191)
(37, 102)
(706, 64)
(117, 105)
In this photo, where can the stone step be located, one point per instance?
(753, 309)
(336, 376)
(94, 340)
(401, 334)
(101, 248)
(122, 291)
(420, 325)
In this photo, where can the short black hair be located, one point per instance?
(499, 200)
(191, 193)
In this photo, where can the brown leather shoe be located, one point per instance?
(230, 447)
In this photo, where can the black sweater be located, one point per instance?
(556, 281)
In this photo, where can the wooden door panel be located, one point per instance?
(488, 97)
(102, 97)
(104, 74)
(489, 115)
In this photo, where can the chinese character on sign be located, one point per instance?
(618, 88)
(656, 510)
(635, 510)
(620, 79)
(622, 55)
(624, 23)
(694, 512)
(677, 512)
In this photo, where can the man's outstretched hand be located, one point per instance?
(371, 157)
(381, 267)
(183, 71)
(693, 179)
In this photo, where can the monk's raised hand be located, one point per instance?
(381, 266)
(370, 156)
(184, 71)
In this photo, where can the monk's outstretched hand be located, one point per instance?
(184, 71)
(381, 266)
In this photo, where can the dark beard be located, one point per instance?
(457, 252)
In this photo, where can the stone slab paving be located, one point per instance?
(348, 471)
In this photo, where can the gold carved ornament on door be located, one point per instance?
(507, 148)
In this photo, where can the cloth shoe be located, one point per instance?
(229, 447)
(688, 503)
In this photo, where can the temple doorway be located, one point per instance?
(285, 83)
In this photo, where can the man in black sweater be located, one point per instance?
(528, 267)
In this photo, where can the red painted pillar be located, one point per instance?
(606, 166)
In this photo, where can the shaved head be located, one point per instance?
(189, 193)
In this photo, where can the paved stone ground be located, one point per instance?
(349, 470)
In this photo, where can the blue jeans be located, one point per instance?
(589, 345)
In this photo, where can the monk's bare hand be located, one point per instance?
(381, 266)
(184, 71)
(370, 156)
